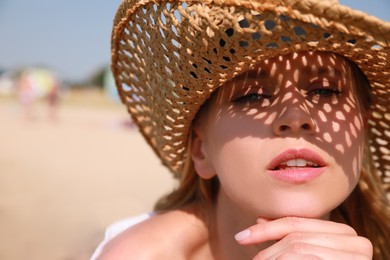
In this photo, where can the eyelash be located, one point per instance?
(329, 92)
(324, 92)
(251, 97)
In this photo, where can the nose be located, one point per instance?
(294, 121)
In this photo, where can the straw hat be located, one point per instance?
(169, 56)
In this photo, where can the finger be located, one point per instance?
(291, 256)
(347, 243)
(313, 250)
(279, 228)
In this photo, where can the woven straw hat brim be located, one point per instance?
(169, 56)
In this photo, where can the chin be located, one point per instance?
(309, 208)
(313, 214)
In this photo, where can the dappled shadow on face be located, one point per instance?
(308, 96)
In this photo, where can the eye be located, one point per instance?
(251, 97)
(323, 88)
(324, 92)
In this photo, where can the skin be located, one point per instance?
(298, 101)
(291, 102)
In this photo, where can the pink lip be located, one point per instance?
(298, 175)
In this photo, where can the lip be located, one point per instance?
(298, 175)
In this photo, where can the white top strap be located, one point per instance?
(117, 228)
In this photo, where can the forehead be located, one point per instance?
(300, 64)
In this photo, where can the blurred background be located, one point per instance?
(71, 161)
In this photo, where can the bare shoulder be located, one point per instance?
(171, 235)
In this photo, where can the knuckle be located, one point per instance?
(261, 255)
(291, 221)
(366, 245)
(290, 256)
(285, 256)
(294, 238)
(299, 247)
(348, 229)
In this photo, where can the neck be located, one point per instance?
(227, 221)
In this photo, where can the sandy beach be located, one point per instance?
(63, 181)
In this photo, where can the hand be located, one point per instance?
(302, 238)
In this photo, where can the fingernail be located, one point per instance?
(261, 220)
(243, 235)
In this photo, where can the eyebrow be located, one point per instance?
(252, 74)
(309, 70)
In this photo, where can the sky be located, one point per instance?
(73, 36)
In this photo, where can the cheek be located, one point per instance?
(355, 136)
(342, 137)
(234, 149)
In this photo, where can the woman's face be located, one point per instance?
(284, 139)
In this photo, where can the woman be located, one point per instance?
(273, 117)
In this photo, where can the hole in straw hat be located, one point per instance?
(285, 38)
(387, 133)
(131, 43)
(226, 58)
(229, 32)
(176, 54)
(376, 47)
(381, 141)
(164, 47)
(161, 32)
(243, 44)
(151, 19)
(207, 60)
(147, 35)
(169, 118)
(168, 70)
(193, 74)
(126, 31)
(299, 31)
(384, 125)
(232, 51)
(177, 15)
(174, 30)
(269, 25)
(222, 42)
(384, 150)
(135, 97)
(256, 36)
(256, 15)
(163, 19)
(352, 41)
(175, 43)
(178, 143)
(184, 5)
(207, 70)
(326, 35)
(272, 45)
(244, 23)
(284, 18)
(126, 87)
(167, 137)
